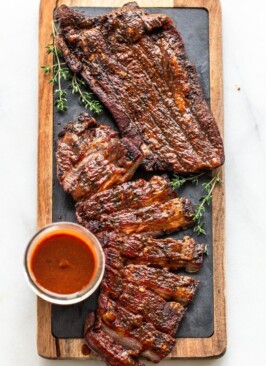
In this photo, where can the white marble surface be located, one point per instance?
(245, 141)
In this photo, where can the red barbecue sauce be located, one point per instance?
(63, 262)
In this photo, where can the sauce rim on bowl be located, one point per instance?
(85, 236)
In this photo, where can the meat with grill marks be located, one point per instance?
(165, 316)
(132, 331)
(124, 284)
(136, 316)
(129, 195)
(92, 158)
(103, 344)
(159, 218)
(136, 64)
(136, 207)
(144, 249)
(166, 284)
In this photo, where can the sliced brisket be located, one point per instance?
(103, 344)
(168, 285)
(159, 218)
(129, 195)
(165, 316)
(134, 316)
(144, 249)
(92, 158)
(136, 64)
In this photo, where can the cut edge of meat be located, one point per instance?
(92, 158)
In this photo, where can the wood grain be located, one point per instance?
(214, 346)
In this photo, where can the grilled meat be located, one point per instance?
(158, 218)
(165, 316)
(92, 158)
(131, 330)
(136, 64)
(144, 249)
(112, 283)
(166, 284)
(129, 195)
(134, 317)
(102, 343)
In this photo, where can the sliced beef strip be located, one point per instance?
(165, 316)
(134, 318)
(138, 333)
(129, 195)
(103, 344)
(166, 253)
(158, 219)
(92, 158)
(168, 285)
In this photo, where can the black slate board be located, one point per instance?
(67, 321)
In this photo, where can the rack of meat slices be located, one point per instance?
(141, 301)
(167, 126)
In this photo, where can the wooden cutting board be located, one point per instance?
(204, 346)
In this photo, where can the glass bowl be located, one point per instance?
(87, 237)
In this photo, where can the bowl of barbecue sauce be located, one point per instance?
(64, 263)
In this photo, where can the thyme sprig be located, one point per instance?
(205, 200)
(85, 97)
(60, 72)
(179, 180)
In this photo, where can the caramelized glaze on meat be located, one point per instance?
(129, 195)
(144, 249)
(92, 158)
(136, 64)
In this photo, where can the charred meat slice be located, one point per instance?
(159, 218)
(118, 316)
(113, 258)
(144, 249)
(103, 344)
(92, 158)
(166, 284)
(165, 316)
(165, 257)
(136, 64)
(129, 195)
(112, 283)
(133, 317)
(124, 324)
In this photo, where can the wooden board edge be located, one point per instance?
(46, 343)
(214, 346)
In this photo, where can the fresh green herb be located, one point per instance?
(179, 180)
(59, 72)
(206, 250)
(85, 98)
(46, 69)
(206, 199)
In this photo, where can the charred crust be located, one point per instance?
(188, 208)
(83, 122)
(129, 26)
(132, 152)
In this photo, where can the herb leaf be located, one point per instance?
(59, 72)
(206, 199)
(85, 98)
(179, 180)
